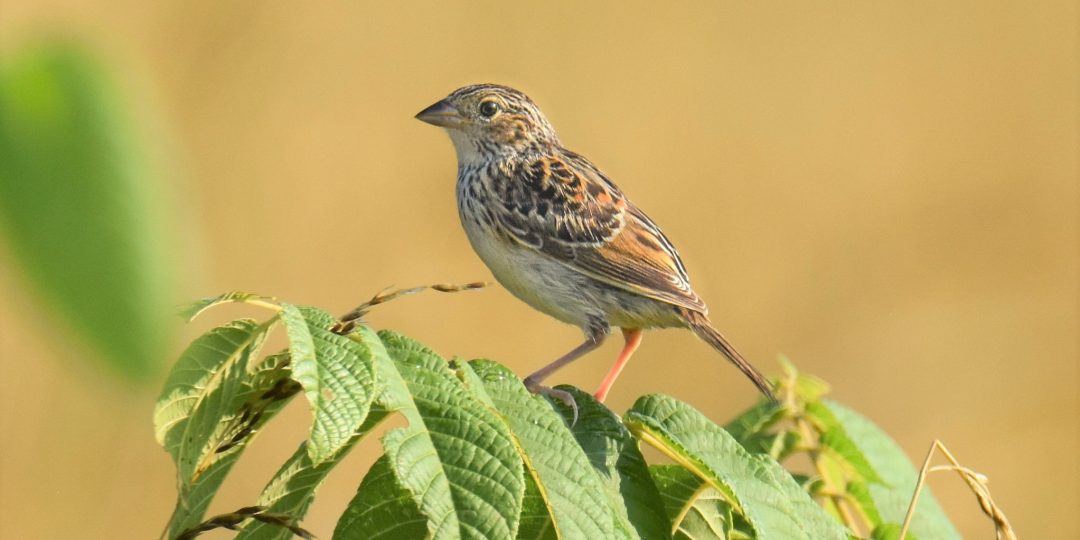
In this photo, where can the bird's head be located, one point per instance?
(487, 121)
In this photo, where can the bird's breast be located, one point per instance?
(538, 280)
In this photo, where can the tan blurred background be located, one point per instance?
(885, 192)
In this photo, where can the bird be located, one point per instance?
(558, 234)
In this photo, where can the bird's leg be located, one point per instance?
(633, 339)
(592, 342)
(532, 382)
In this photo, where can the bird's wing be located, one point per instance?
(563, 206)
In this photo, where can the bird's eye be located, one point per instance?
(488, 109)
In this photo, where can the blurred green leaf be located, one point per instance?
(860, 495)
(888, 531)
(752, 429)
(807, 388)
(899, 476)
(77, 205)
(834, 439)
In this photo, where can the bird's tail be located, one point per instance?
(701, 326)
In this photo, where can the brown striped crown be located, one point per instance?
(498, 118)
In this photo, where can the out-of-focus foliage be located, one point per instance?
(77, 205)
(481, 457)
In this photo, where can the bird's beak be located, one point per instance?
(441, 114)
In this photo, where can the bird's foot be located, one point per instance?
(562, 395)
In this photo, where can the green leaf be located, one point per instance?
(293, 488)
(382, 508)
(256, 403)
(216, 416)
(536, 521)
(835, 439)
(695, 509)
(755, 485)
(197, 374)
(807, 388)
(751, 429)
(615, 455)
(213, 403)
(897, 473)
(860, 493)
(577, 500)
(196, 308)
(336, 373)
(187, 382)
(456, 456)
(79, 209)
(889, 531)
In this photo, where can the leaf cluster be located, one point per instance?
(480, 457)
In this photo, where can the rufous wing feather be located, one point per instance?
(563, 206)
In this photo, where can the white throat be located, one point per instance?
(467, 152)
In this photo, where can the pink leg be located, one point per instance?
(532, 382)
(633, 339)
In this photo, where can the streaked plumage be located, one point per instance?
(560, 235)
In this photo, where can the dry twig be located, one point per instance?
(977, 482)
(349, 319)
(232, 521)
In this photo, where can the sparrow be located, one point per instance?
(561, 236)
